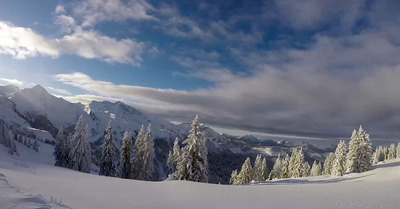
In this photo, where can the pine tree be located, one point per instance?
(264, 170)
(296, 163)
(359, 158)
(385, 153)
(379, 155)
(292, 162)
(171, 167)
(316, 169)
(328, 164)
(35, 146)
(126, 161)
(234, 177)
(147, 173)
(173, 157)
(392, 152)
(61, 150)
(257, 170)
(192, 164)
(276, 170)
(139, 153)
(80, 149)
(107, 164)
(339, 162)
(398, 150)
(285, 172)
(246, 173)
(306, 169)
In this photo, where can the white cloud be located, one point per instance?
(12, 81)
(22, 43)
(58, 91)
(94, 11)
(60, 9)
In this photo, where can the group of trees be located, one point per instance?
(74, 151)
(9, 138)
(384, 153)
(190, 163)
(291, 167)
(357, 159)
(248, 173)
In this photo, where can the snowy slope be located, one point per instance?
(370, 190)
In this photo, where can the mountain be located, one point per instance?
(36, 114)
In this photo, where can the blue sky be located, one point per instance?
(314, 69)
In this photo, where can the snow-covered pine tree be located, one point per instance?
(296, 163)
(107, 162)
(392, 152)
(285, 173)
(378, 155)
(192, 164)
(14, 148)
(359, 158)
(61, 149)
(246, 173)
(382, 155)
(173, 157)
(126, 156)
(264, 171)
(328, 164)
(170, 163)
(398, 150)
(234, 177)
(80, 149)
(35, 146)
(147, 173)
(292, 162)
(139, 153)
(276, 170)
(339, 162)
(315, 169)
(385, 153)
(305, 169)
(257, 170)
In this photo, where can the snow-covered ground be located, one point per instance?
(26, 183)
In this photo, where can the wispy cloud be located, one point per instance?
(296, 101)
(95, 11)
(11, 81)
(58, 91)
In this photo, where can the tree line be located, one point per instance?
(136, 160)
(358, 158)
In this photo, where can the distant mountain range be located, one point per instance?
(35, 113)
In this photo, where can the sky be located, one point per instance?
(309, 69)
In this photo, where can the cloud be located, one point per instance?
(58, 91)
(311, 14)
(95, 11)
(22, 43)
(299, 101)
(12, 81)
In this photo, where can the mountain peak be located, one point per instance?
(39, 89)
